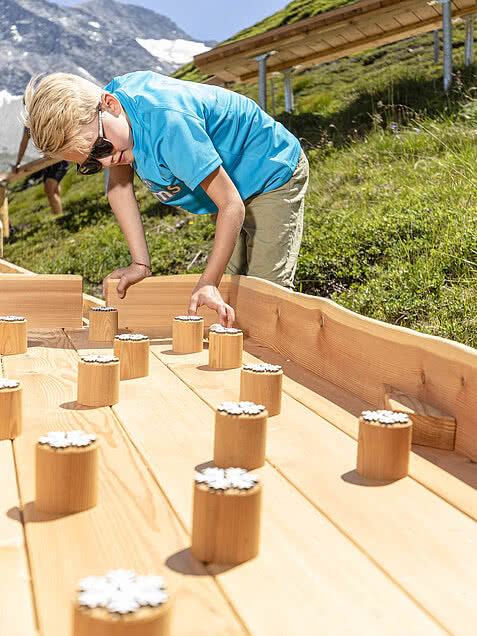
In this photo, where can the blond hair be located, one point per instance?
(57, 106)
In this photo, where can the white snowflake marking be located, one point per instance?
(122, 591)
(262, 367)
(385, 417)
(8, 384)
(65, 439)
(226, 478)
(241, 408)
(101, 359)
(216, 328)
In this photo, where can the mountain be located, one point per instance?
(97, 39)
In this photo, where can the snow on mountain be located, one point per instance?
(177, 52)
(97, 39)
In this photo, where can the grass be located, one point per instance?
(390, 220)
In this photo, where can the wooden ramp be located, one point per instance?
(339, 555)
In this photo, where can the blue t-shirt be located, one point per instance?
(183, 131)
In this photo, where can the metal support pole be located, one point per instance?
(436, 45)
(287, 85)
(469, 40)
(262, 78)
(447, 42)
(272, 90)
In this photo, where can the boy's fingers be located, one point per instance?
(222, 314)
(193, 307)
(230, 316)
(122, 287)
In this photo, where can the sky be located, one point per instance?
(209, 19)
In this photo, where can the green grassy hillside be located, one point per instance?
(391, 219)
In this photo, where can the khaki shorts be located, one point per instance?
(270, 239)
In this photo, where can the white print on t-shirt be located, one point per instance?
(162, 195)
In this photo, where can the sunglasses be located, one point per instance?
(102, 148)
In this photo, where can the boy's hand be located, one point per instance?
(210, 296)
(127, 277)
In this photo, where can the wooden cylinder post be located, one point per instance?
(122, 603)
(225, 347)
(240, 435)
(66, 472)
(98, 380)
(103, 324)
(226, 516)
(10, 409)
(132, 349)
(262, 384)
(187, 334)
(13, 335)
(384, 445)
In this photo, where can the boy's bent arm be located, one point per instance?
(123, 202)
(220, 188)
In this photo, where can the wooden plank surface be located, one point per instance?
(449, 475)
(422, 543)
(173, 430)
(46, 301)
(17, 616)
(133, 525)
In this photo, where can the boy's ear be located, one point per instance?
(111, 104)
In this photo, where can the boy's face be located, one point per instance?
(116, 128)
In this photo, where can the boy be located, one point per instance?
(202, 148)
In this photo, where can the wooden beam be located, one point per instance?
(11, 268)
(45, 300)
(330, 54)
(430, 425)
(26, 169)
(306, 33)
(156, 300)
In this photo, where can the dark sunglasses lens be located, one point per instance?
(90, 166)
(102, 148)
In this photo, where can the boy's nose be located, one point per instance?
(106, 161)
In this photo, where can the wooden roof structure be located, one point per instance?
(328, 36)
(339, 554)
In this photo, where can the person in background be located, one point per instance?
(52, 176)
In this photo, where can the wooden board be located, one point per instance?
(10, 268)
(394, 524)
(156, 300)
(17, 614)
(46, 301)
(359, 354)
(173, 429)
(133, 526)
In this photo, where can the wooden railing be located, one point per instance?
(8, 177)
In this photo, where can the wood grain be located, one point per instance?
(46, 301)
(393, 525)
(155, 301)
(314, 568)
(359, 354)
(430, 425)
(17, 615)
(133, 525)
